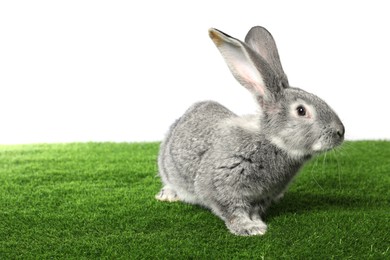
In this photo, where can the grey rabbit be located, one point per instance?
(237, 165)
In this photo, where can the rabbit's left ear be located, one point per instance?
(247, 66)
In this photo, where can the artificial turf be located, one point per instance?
(96, 200)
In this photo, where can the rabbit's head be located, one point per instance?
(294, 120)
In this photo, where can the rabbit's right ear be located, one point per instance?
(261, 41)
(247, 66)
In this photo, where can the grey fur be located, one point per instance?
(236, 166)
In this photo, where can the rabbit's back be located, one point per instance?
(187, 141)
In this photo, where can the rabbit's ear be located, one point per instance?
(251, 70)
(261, 41)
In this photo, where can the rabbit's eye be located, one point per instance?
(301, 111)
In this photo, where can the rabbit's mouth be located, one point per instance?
(332, 137)
(327, 143)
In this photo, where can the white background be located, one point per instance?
(125, 70)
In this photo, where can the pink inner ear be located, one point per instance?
(242, 67)
(259, 89)
(250, 78)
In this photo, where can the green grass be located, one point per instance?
(96, 200)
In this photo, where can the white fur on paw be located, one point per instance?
(167, 194)
(247, 227)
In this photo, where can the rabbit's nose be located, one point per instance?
(341, 131)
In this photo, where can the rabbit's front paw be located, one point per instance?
(247, 227)
(167, 194)
(278, 197)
